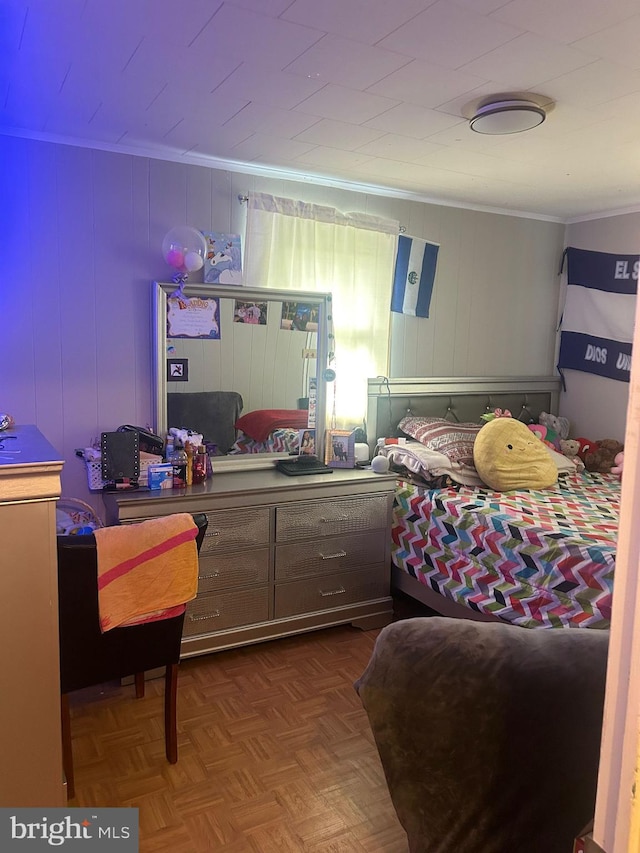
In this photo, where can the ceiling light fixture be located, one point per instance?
(507, 116)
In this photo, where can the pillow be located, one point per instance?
(429, 464)
(509, 456)
(563, 463)
(259, 424)
(453, 440)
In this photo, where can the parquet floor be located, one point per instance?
(275, 752)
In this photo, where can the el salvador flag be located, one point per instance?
(414, 276)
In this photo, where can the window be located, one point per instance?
(294, 245)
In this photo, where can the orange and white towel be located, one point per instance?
(146, 571)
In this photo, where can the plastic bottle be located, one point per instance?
(200, 465)
(179, 463)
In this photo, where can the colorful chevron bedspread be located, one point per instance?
(283, 440)
(535, 558)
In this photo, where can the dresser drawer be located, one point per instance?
(236, 528)
(331, 555)
(247, 567)
(218, 611)
(313, 594)
(329, 518)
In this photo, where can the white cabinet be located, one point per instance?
(30, 737)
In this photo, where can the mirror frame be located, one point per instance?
(240, 461)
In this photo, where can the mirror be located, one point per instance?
(254, 357)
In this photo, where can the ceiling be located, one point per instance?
(367, 94)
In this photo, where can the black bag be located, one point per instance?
(148, 442)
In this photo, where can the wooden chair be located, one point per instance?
(89, 657)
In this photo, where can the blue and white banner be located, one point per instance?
(599, 313)
(414, 276)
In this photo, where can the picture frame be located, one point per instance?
(177, 370)
(340, 448)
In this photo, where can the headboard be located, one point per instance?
(457, 398)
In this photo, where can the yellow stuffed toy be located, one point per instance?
(507, 455)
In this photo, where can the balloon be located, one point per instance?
(175, 258)
(184, 248)
(193, 261)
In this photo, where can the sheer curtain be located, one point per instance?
(292, 245)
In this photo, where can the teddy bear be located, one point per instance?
(601, 459)
(570, 448)
(557, 425)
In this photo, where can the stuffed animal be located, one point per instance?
(570, 448)
(601, 459)
(508, 456)
(618, 463)
(182, 437)
(560, 426)
(496, 413)
(586, 446)
(546, 435)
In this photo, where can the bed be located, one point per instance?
(270, 431)
(218, 416)
(535, 558)
(284, 440)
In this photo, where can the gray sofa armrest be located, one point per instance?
(489, 734)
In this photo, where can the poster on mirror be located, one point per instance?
(253, 313)
(299, 317)
(196, 318)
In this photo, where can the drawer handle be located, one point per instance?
(332, 556)
(211, 533)
(213, 615)
(208, 577)
(334, 519)
(339, 591)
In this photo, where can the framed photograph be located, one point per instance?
(177, 370)
(340, 448)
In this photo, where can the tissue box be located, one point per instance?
(160, 476)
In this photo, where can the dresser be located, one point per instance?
(30, 735)
(282, 555)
